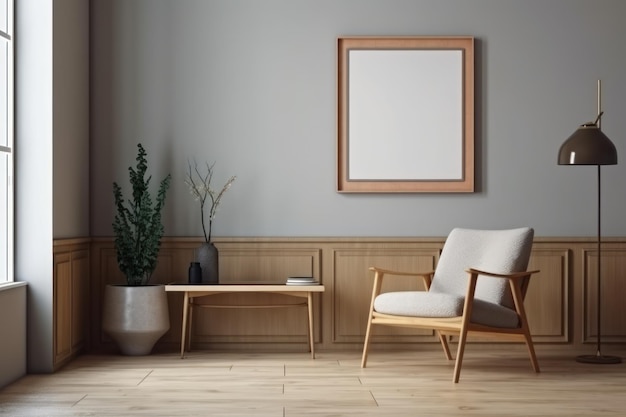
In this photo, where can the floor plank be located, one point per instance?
(493, 383)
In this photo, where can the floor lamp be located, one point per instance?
(589, 146)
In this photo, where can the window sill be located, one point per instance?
(10, 285)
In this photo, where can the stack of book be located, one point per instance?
(301, 281)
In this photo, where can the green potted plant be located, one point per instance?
(135, 314)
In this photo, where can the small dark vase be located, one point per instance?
(208, 257)
(195, 273)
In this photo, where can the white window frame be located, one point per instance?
(7, 275)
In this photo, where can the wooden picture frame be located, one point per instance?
(405, 114)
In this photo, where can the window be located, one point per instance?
(6, 140)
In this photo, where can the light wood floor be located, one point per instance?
(493, 383)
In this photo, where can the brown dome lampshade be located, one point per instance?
(588, 145)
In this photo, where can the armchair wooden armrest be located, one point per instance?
(512, 275)
(518, 282)
(380, 273)
(402, 273)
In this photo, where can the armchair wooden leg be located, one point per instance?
(521, 312)
(467, 314)
(459, 356)
(444, 345)
(529, 343)
(531, 352)
(378, 279)
(367, 342)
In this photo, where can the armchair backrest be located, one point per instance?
(499, 251)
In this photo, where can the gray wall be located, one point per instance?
(34, 180)
(252, 85)
(51, 151)
(71, 118)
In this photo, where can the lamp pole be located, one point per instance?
(599, 267)
(599, 242)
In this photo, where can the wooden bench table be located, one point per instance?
(191, 291)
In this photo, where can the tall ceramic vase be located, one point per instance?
(208, 256)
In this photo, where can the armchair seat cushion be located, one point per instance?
(433, 304)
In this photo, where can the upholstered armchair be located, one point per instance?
(478, 287)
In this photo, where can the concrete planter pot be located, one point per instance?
(135, 317)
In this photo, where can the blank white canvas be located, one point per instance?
(405, 115)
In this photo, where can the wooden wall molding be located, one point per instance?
(560, 301)
(613, 284)
(70, 287)
(352, 288)
(547, 301)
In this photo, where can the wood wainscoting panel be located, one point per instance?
(613, 288)
(560, 301)
(267, 264)
(352, 289)
(62, 291)
(80, 298)
(109, 272)
(71, 298)
(547, 299)
(250, 325)
(106, 271)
